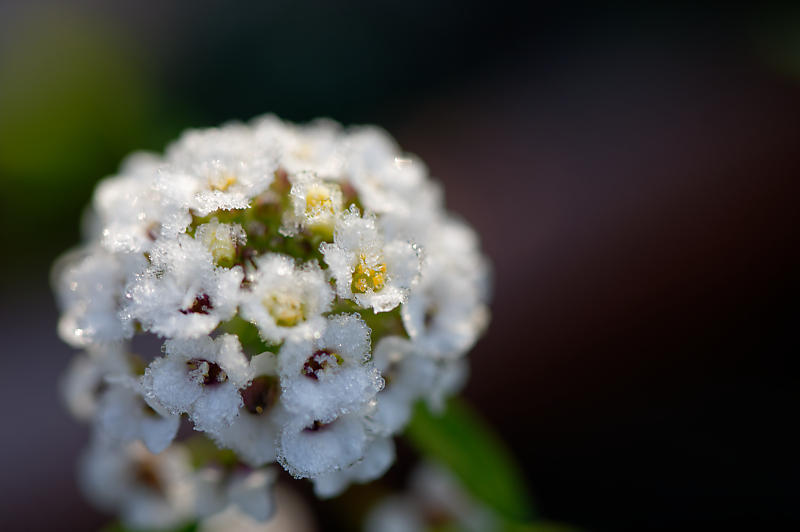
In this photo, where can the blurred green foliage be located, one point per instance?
(75, 98)
(462, 442)
(72, 95)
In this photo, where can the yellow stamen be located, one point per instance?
(319, 201)
(220, 241)
(287, 310)
(222, 182)
(366, 278)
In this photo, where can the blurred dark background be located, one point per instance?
(633, 174)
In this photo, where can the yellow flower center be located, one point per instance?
(319, 201)
(287, 310)
(221, 182)
(368, 278)
(218, 239)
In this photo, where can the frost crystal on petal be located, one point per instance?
(328, 376)
(284, 300)
(374, 273)
(201, 377)
(88, 286)
(309, 448)
(254, 432)
(315, 204)
(377, 459)
(182, 293)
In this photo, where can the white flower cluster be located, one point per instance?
(306, 287)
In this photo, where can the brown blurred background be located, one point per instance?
(633, 174)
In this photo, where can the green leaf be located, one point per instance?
(460, 440)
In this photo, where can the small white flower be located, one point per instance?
(386, 179)
(292, 513)
(455, 244)
(421, 219)
(249, 491)
(182, 293)
(408, 377)
(311, 448)
(85, 378)
(373, 273)
(218, 169)
(128, 208)
(376, 461)
(221, 240)
(433, 492)
(80, 386)
(131, 209)
(254, 432)
(447, 312)
(148, 490)
(88, 285)
(396, 513)
(444, 316)
(124, 415)
(283, 299)
(252, 493)
(451, 377)
(315, 205)
(328, 376)
(201, 377)
(438, 490)
(316, 148)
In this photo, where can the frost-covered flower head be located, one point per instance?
(306, 287)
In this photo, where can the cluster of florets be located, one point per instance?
(306, 287)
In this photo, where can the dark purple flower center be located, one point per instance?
(210, 371)
(200, 305)
(146, 474)
(320, 360)
(315, 426)
(261, 394)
